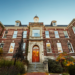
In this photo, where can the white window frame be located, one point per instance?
(10, 47)
(73, 28)
(15, 34)
(33, 33)
(18, 24)
(56, 34)
(4, 34)
(72, 48)
(25, 47)
(25, 34)
(67, 34)
(47, 34)
(53, 24)
(58, 48)
(50, 48)
(3, 45)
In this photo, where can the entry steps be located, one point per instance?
(36, 67)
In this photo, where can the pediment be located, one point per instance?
(35, 24)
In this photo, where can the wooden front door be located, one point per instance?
(35, 54)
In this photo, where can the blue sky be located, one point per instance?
(63, 11)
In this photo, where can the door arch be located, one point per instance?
(35, 54)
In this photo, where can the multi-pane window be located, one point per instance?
(54, 24)
(66, 34)
(48, 47)
(24, 34)
(17, 24)
(36, 33)
(24, 45)
(70, 47)
(1, 45)
(47, 34)
(5, 34)
(56, 34)
(11, 49)
(73, 29)
(15, 34)
(59, 48)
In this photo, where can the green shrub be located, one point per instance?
(71, 69)
(54, 67)
(19, 65)
(6, 63)
(1, 51)
(65, 74)
(9, 71)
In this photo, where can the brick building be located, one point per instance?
(44, 41)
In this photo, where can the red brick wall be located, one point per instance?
(62, 40)
(7, 41)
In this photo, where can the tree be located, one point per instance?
(19, 51)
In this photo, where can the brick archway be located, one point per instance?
(35, 54)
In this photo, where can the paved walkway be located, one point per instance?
(35, 74)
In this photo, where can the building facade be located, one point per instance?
(41, 41)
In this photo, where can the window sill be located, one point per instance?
(71, 52)
(10, 52)
(4, 38)
(35, 37)
(49, 52)
(60, 52)
(45, 37)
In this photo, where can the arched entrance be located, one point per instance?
(35, 54)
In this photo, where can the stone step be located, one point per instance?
(38, 68)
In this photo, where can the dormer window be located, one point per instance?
(54, 24)
(17, 24)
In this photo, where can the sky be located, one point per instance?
(63, 11)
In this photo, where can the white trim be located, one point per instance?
(13, 48)
(72, 48)
(61, 49)
(57, 34)
(15, 34)
(47, 34)
(3, 35)
(50, 47)
(73, 29)
(67, 34)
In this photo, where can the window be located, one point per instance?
(17, 24)
(48, 47)
(47, 34)
(66, 34)
(73, 29)
(5, 34)
(24, 34)
(59, 48)
(70, 47)
(54, 24)
(24, 45)
(1, 45)
(11, 49)
(15, 34)
(56, 34)
(36, 33)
